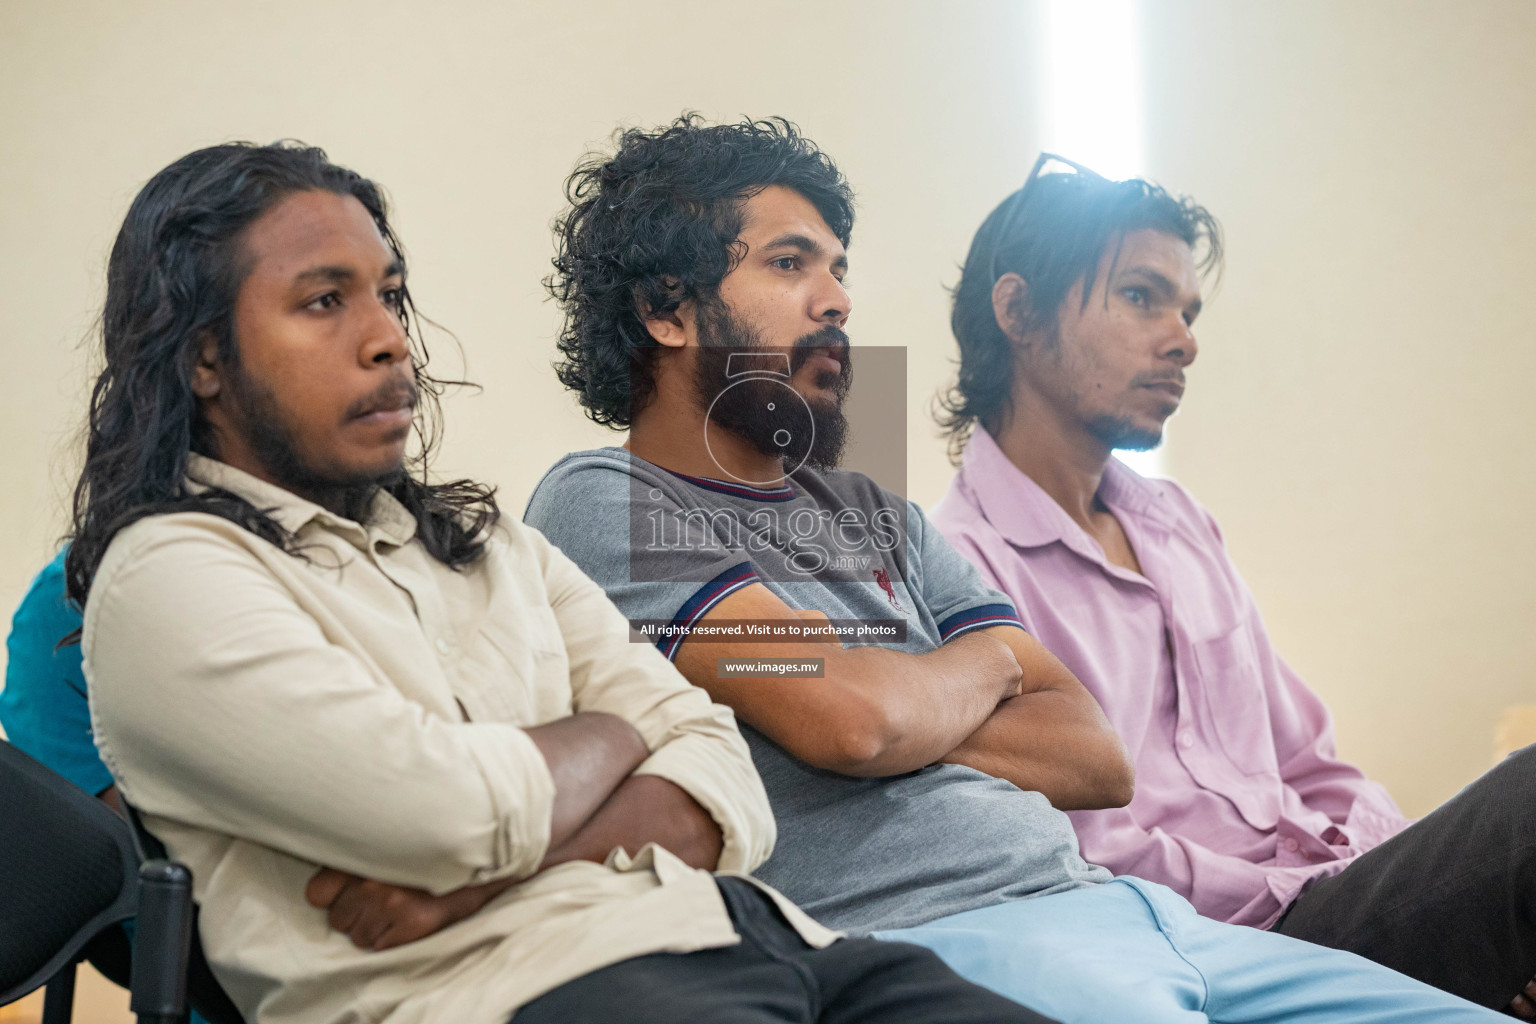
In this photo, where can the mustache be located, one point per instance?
(398, 392)
(1143, 380)
(829, 339)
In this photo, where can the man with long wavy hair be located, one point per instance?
(304, 653)
(1075, 318)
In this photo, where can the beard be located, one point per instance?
(1115, 432)
(1119, 434)
(751, 411)
(275, 443)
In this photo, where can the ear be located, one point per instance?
(1010, 306)
(669, 329)
(206, 382)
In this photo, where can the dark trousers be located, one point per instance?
(773, 976)
(1451, 900)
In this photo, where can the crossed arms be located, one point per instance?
(223, 705)
(994, 700)
(599, 805)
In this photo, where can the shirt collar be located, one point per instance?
(387, 518)
(1125, 490)
(1027, 516)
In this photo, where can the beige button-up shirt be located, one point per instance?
(362, 706)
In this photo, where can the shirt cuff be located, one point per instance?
(1368, 827)
(522, 800)
(980, 617)
(732, 795)
(702, 602)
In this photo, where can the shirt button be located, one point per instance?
(1186, 740)
(442, 646)
(1291, 845)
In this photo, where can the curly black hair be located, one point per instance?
(1056, 239)
(656, 225)
(172, 279)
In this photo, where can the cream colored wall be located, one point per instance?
(472, 113)
(1360, 417)
(1356, 420)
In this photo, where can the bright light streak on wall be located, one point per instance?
(1092, 87)
(1092, 90)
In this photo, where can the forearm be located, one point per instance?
(644, 809)
(1047, 742)
(908, 711)
(874, 712)
(1053, 738)
(590, 755)
(1305, 750)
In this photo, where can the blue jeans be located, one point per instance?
(1135, 950)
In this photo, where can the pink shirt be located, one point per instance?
(1241, 799)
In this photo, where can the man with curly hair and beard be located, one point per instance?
(303, 653)
(919, 784)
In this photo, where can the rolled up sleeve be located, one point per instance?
(1302, 728)
(219, 703)
(694, 742)
(1220, 886)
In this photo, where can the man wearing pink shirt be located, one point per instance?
(1074, 319)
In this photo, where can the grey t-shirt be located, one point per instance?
(858, 854)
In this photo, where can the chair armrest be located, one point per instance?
(162, 943)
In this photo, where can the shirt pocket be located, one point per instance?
(522, 663)
(1234, 698)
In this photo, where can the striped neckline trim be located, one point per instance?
(784, 493)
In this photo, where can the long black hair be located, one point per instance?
(656, 224)
(1057, 238)
(174, 273)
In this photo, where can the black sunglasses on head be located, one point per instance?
(1016, 203)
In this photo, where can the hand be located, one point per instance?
(377, 915)
(1524, 1004)
(993, 659)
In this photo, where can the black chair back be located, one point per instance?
(68, 874)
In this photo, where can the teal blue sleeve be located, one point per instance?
(43, 706)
